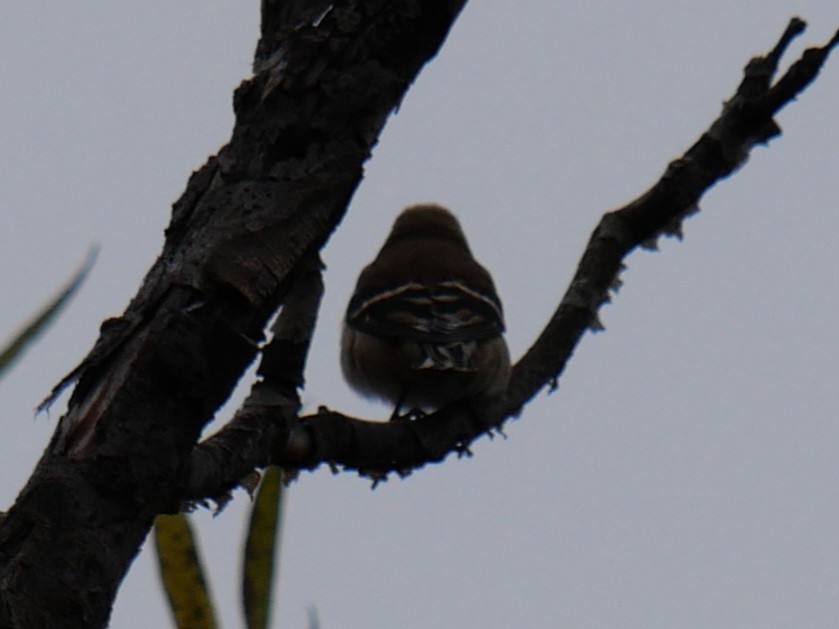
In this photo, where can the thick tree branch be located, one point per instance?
(220, 462)
(326, 77)
(376, 448)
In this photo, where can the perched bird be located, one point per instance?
(424, 326)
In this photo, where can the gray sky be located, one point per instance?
(685, 473)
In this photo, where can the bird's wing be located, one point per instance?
(447, 312)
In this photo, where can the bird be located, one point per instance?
(424, 327)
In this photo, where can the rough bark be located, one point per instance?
(242, 243)
(376, 449)
(326, 77)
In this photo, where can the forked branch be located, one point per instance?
(747, 119)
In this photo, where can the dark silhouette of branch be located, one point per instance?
(326, 77)
(376, 449)
(264, 419)
(241, 245)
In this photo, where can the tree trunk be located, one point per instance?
(326, 77)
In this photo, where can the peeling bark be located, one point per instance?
(242, 243)
(375, 449)
(326, 77)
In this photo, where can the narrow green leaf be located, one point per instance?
(312, 613)
(37, 324)
(182, 574)
(261, 550)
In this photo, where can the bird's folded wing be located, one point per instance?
(447, 312)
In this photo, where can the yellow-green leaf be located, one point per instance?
(261, 550)
(182, 574)
(38, 323)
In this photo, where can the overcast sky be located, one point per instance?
(684, 475)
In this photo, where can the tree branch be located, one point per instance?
(220, 462)
(240, 241)
(376, 449)
(324, 83)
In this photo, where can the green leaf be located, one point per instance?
(182, 574)
(314, 621)
(37, 324)
(261, 550)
